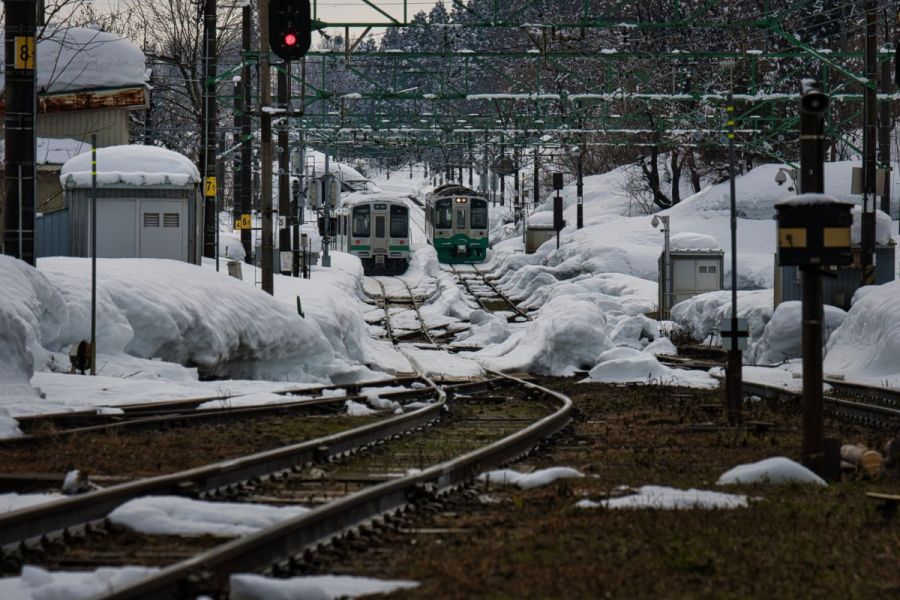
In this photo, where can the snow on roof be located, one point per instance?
(810, 200)
(52, 151)
(80, 58)
(131, 165)
(344, 171)
(366, 196)
(693, 241)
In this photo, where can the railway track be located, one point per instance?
(411, 303)
(487, 294)
(190, 412)
(370, 473)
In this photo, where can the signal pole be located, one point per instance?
(284, 160)
(246, 176)
(19, 122)
(208, 149)
(265, 101)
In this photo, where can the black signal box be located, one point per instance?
(814, 229)
(290, 28)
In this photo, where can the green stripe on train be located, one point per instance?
(399, 248)
(358, 248)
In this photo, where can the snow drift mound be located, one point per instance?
(780, 340)
(192, 316)
(131, 165)
(867, 344)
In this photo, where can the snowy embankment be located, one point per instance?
(152, 309)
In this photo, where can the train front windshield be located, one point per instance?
(444, 214)
(399, 222)
(479, 214)
(361, 226)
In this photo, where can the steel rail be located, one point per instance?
(415, 304)
(500, 293)
(281, 542)
(885, 396)
(465, 284)
(199, 416)
(45, 519)
(869, 414)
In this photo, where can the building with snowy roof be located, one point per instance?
(148, 204)
(694, 265)
(88, 82)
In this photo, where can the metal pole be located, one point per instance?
(733, 372)
(265, 101)
(208, 148)
(93, 254)
(246, 129)
(885, 124)
(326, 206)
(536, 197)
(812, 180)
(19, 122)
(580, 191)
(869, 138)
(284, 177)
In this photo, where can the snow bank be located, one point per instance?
(666, 498)
(781, 337)
(567, 334)
(527, 481)
(131, 165)
(35, 583)
(230, 247)
(627, 365)
(80, 58)
(867, 344)
(175, 515)
(702, 315)
(771, 470)
(311, 587)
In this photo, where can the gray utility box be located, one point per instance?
(692, 272)
(839, 289)
(137, 222)
(535, 235)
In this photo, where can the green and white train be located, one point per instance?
(456, 224)
(375, 227)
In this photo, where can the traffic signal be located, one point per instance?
(290, 29)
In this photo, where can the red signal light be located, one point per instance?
(290, 39)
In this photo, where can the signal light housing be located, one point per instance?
(290, 28)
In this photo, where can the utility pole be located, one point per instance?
(247, 129)
(502, 179)
(265, 102)
(19, 122)
(208, 150)
(284, 160)
(517, 203)
(300, 172)
(326, 211)
(885, 119)
(869, 139)
(536, 199)
(734, 366)
(236, 156)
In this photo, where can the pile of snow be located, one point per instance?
(13, 501)
(781, 337)
(356, 409)
(867, 344)
(527, 481)
(689, 240)
(35, 583)
(702, 316)
(567, 334)
(311, 587)
(667, 498)
(230, 247)
(627, 365)
(771, 470)
(80, 58)
(131, 165)
(175, 515)
(152, 309)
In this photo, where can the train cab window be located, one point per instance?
(399, 222)
(361, 226)
(444, 214)
(461, 217)
(479, 214)
(379, 226)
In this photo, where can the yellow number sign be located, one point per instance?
(210, 188)
(24, 52)
(246, 221)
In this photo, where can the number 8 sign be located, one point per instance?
(24, 52)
